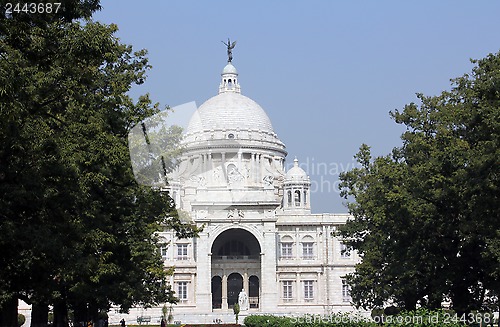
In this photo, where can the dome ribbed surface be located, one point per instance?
(229, 111)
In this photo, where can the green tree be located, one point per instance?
(236, 311)
(426, 217)
(76, 230)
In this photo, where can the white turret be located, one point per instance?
(296, 195)
(229, 80)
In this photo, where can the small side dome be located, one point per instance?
(296, 173)
(229, 69)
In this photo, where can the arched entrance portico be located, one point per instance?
(236, 266)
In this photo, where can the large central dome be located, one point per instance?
(231, 116)
(229, 111)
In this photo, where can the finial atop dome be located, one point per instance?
(230, 46)
(295, 162)
(229, 82)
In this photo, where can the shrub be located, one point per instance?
(267, 321)
(21, 319)
(391, 311)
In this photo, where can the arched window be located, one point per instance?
(297, 198)
(216, 292)
(234, 287)
(289, 198)
(253, 291)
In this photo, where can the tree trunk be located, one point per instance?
(39, 315)
(461, 301)
(8, 313)
(410, 303)
(93, 312)
(80, 314)
(60, 314)
(434, 302)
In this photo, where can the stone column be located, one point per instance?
(319, 289)
(210, 168)
(223, 166)
(203, 274)
(327, 230)
(269, 297)
(192, 286)
(252, 168)
(203, 164)
(261, 168)
(302, 197)
(298, 288)
(172, 247)
(224, 292)
(297, 242)
(319, 244)
(245, 282)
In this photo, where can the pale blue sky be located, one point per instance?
(326, 72)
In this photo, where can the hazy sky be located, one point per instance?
(326, 72)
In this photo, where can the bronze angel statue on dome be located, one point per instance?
(230, 47)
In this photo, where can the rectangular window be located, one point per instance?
(346, 291)
(307, 250)
(163, 252)
(182, 291)
(286, 250)
(344, 251)
(287, 290)
(308, 290)
(182, 251)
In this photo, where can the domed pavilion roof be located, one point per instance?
(296, 173)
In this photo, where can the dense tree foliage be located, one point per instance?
(76, 230)
(427, 216)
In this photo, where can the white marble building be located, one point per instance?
(259, 234)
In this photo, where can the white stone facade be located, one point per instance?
(259, 234)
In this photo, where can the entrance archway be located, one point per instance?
(235, 257)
